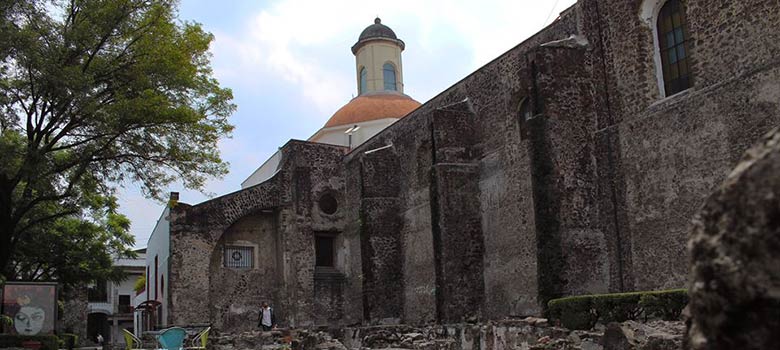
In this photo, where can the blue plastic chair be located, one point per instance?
(172, 338)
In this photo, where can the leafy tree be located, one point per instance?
(140, 284)
(74, 251)
(94, 93)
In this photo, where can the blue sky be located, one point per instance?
(290, 67)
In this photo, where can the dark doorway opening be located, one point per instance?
(97, 323)
(323, 247)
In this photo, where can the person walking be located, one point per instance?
(266, 321)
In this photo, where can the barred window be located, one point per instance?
(674, 47)
(239, 257)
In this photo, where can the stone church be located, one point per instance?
(570, 164)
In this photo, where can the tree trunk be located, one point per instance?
(7, 229)
(6, 248)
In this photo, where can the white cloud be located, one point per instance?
(302, 47)
(298, 40)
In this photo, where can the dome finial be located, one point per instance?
(377, 31)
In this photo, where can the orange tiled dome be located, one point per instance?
(373, 107)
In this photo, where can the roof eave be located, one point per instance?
(362, 42)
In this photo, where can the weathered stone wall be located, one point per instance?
(669, 153)
(351, 234)
(457, 231)
(500, 186)
(318, 171)
(381, 240)
(573, 254)
(556, 169)
(74, 313)
(590, 186)
(236, 294)
(281, 216)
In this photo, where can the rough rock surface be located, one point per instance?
(74, 315)
(297, 339)
(246, 340)
(735, 290)
(655, 335)
(527, 334)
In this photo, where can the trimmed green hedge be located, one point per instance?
(666, 305)
(573, 312)
(49, 342)
(583, 311)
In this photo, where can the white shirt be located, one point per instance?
(266, 321)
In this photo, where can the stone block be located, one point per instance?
(734, 245)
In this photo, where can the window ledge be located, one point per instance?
(678, 96)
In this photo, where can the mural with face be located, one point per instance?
(29, 320)
(31, 306)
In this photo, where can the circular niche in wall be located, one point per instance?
(328, 203)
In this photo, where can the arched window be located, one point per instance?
(389, 76)
(673, 44)
(525, 113)
(525, 110)
(363, 80)
(155, 278)
(147, 284)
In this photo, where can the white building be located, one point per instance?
(110, 306)
(380, 102)
(151, 305)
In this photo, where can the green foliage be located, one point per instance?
(573, 312)
(667, 305)
(74, 251)
(5, 320)
(583, 311)
(96, 93)
(68, 340)
(49, 342)
(617, 307)
(140, 284)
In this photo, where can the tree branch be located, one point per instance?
(32, 223)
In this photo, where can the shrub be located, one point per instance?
(582, 312)
(573, 312)
(68, 340)
(49, 342)
(617, 307)
(667, 305)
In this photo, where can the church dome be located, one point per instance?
(373, 106)
(377, 31)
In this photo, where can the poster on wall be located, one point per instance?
(32, 306)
